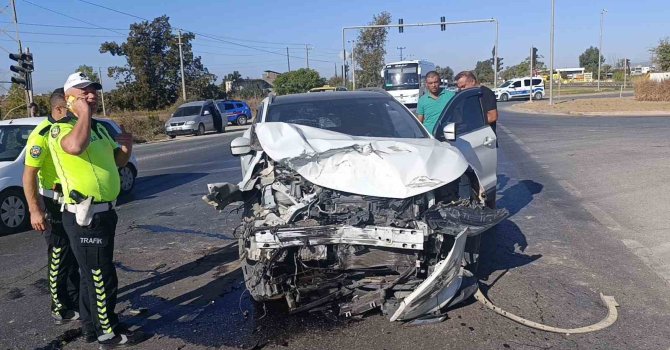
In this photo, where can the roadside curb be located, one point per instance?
(614, 114)
(231, 130)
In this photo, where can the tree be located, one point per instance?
(235, 75)
(90, 73)
(662, 52)
(298, 81)
(335, 81)
(370, 51)
(14, 103)
(151, 77)
(484, 71)
(589, 59)
(445, 73)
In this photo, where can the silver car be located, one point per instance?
(347, 197)
(195, 118)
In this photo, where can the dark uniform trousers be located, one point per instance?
(63, 268)
(93, 246)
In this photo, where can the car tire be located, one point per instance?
(537, 96)
(504, 97)
(172, 136)
(201, 130)
(127, 175)
(241, 120)
(14, 215)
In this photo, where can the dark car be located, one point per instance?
(237, 112)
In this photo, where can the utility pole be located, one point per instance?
(530, 92)
(102, 93)
(600, 50)
(401, 48)
(28, 95)
(625, 72)
(353, 65)
(181, 63)
(335, 70)
(551, 58)
(288, 60)
(307, 48)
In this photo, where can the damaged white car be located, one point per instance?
(349, 201)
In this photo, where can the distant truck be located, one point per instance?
(406, 80)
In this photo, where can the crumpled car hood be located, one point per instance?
(380, 167)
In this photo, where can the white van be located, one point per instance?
(520, 88)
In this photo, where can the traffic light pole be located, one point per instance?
(441, 23)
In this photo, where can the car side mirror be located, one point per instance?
(240, 146)
(450, 132)
(206, 112)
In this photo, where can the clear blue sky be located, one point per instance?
(630, 29)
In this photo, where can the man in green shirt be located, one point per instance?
(432, 104)
(45, 215)
(86, 159)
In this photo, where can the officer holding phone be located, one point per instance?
(86, 159)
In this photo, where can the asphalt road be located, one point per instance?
(581, 191)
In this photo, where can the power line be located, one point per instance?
(63, 26)
(144, 19)
(68, 16)
(77, 35)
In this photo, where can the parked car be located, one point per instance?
(347, 197)
(195, 118)
(236, 112)
(520, 88)
(14, 215)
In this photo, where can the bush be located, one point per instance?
(143, 128)
(647, 90)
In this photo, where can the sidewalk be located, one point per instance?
(595, 106)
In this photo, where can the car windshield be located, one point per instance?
(370, 116)
(187, 111)
(13, 139)
(505, 84)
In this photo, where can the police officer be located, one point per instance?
(86, 159)
(45, 216)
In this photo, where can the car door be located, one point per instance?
(208, 116)
(474, 137)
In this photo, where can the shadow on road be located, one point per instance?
(220, 312)
(503, 248)
(147, 187)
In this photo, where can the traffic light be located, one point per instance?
(400, 22)
(443, 26)
(627, 65)
(23, 68)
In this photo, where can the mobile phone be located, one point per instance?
(70, 102)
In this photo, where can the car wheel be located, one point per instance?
(201, 130)
(172, 136)
(13, 211)
(241, 120)
(127, 176)
(504, 97)
(537, 96)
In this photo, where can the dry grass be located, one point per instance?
(610, 106)
(647, 90)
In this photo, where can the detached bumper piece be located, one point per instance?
(451, 220)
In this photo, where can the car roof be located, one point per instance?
(23, 121)
(194, 103)
(327, 95)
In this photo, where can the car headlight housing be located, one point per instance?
(190, 122)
